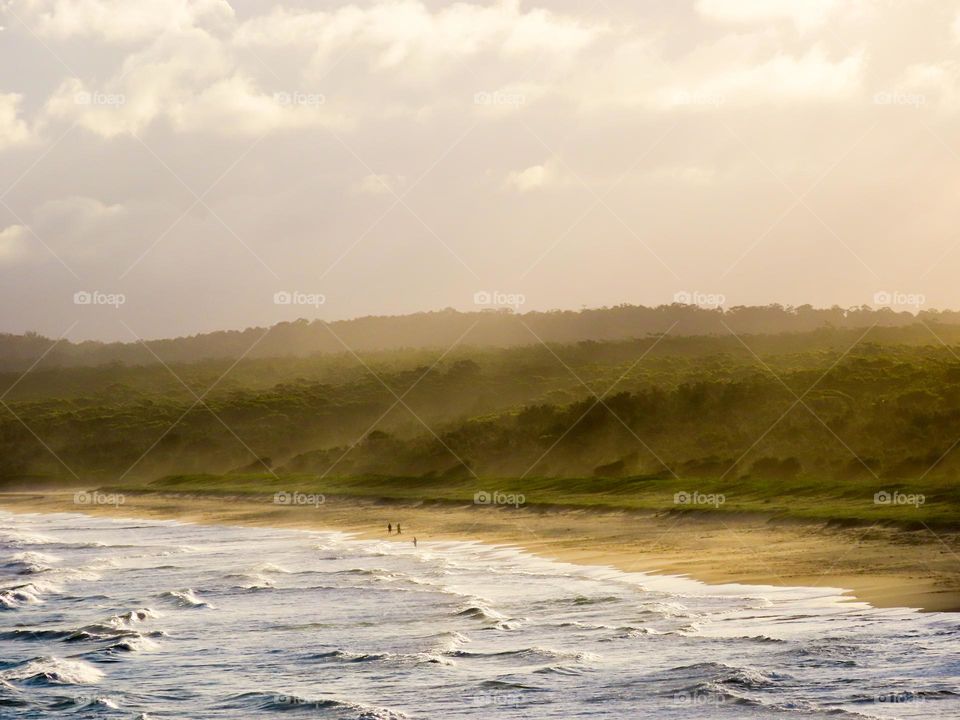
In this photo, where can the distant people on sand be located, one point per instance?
(398, 528)
(389, 528)
(414, 542)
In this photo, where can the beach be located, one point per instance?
(884, 566)
(111, 615)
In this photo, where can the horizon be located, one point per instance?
(501, 310)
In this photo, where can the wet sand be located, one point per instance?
(886, 567)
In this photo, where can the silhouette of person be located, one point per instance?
(398, 528)
(389, 528)
(414, 542)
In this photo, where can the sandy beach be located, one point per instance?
(883, 566)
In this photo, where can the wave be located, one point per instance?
(449, 640)
(505, 685)
(252, 581)
(18, 538)
(730, 674)
(348, 656)
(583, 600)
(20, 595)
(135, 643)
(263, 701)
(117, 632)
(376, 573)
(667, 609)
(559, 670)
(186, 598)
(50, 670)
(432, 658)
(533, 653)
(97, 702)
(133, 617)
(30, 563)
(481, 612)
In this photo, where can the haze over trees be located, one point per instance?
(440, 329)
(865, 395)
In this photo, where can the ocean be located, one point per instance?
(130, 618)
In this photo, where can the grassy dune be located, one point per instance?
(852, 503)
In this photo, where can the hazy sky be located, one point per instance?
(197, 158)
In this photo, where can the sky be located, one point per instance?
(171, 167)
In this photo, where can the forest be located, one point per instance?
(825, 410)
(485, 328)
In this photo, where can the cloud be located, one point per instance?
(78, 210)
(732, 71)
(13, 244)
(13, 130)
(804, 14)
(409, 34)
(536, 177)
(924, 85)
(192, 90)
(812, 76)
(120, 21)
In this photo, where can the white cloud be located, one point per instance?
(925, 85)
(123, 21)
(235, 106)
(409, 34)
(536, 177)
(804, 14)
(13, 130)
(812, 76)
(732, 71)
(78, 210)
(191, 83)
(13, 244)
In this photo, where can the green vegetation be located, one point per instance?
(444, 328)
(850, 503)
(807, 424)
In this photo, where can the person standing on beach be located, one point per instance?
(398, 528)
(389, 528)
(414, 542)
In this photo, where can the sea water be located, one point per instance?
(104, 618)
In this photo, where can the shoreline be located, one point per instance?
(885, 567)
